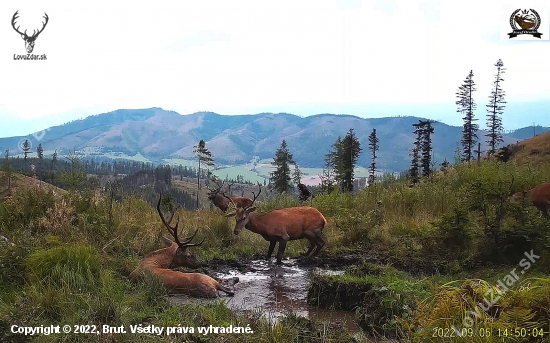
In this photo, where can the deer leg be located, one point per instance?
(282, 246)
(321, 241)
(271, 248)
(312, 243)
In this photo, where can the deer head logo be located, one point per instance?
(29, 40)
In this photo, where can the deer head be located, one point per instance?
(212, 192)
(182, 255)
(29, 40)
(242, 214)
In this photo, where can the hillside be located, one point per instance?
(533, 151)
(19, 181)
(155, 135)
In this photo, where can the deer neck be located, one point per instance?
(161, 258)
(220, 201)
(254, 224)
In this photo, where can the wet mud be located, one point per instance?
(275, 290)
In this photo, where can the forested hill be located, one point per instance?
(158, 134)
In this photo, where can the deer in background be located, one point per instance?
(539, 196)
(282, 225)
(177, 254)
(221, 201)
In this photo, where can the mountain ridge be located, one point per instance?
(160, 134)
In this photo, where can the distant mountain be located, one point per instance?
(158, 134)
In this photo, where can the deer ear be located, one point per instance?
(167, 241)
(252, 209)
(232, 214)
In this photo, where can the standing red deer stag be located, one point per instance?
(177, 254)
(282, 225)
(540, 197)
(221, 201)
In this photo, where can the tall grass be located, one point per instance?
(68, 261)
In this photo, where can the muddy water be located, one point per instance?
(274, 290)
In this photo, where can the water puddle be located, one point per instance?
(275, 290)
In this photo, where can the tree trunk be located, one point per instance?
(198, 183)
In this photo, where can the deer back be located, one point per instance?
(241, 202)
(540, 194)
(293, 221)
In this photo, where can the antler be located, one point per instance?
(216, 190)
(230, 200)
(255, 196)
(13, 24)
(174, 230)
(34, 33)
(43, 26)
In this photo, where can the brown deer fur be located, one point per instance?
(222, 202)
(284, 225)
(540, 197)
(194, 284)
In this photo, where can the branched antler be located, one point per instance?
(174, 230)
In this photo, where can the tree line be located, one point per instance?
(421, 153)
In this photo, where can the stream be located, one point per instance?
(274, 290)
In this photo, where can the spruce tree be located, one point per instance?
(466, 106)
(414, 171)
(373, 146)
(344, 158)
(297, 175)
(445, 165)
(204, 155)
(426, 146)
(280, 178)
(40, 153)
(495, 108)
(54, 159)
(26, 147)
(75, 176)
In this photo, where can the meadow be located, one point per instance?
(429, 255)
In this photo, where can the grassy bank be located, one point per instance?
(67, 258)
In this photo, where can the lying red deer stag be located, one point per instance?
(282, 225)
(221, 201)
(176, 255)
(540, 197)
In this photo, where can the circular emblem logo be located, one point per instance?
(525, 22)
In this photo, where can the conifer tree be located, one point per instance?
(40, 154)
(414, 171)
(280, 178)
(426, 146)
(466, 106)
(75, 177)
(344, 158)
(445, 165)
(297, 175)
(26, 147)
(373, 146)
(54, 159)
(495, 108)
(204, 155)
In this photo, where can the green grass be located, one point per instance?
(65, 264)
(233, 171)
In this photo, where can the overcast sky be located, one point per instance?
(243, 57)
